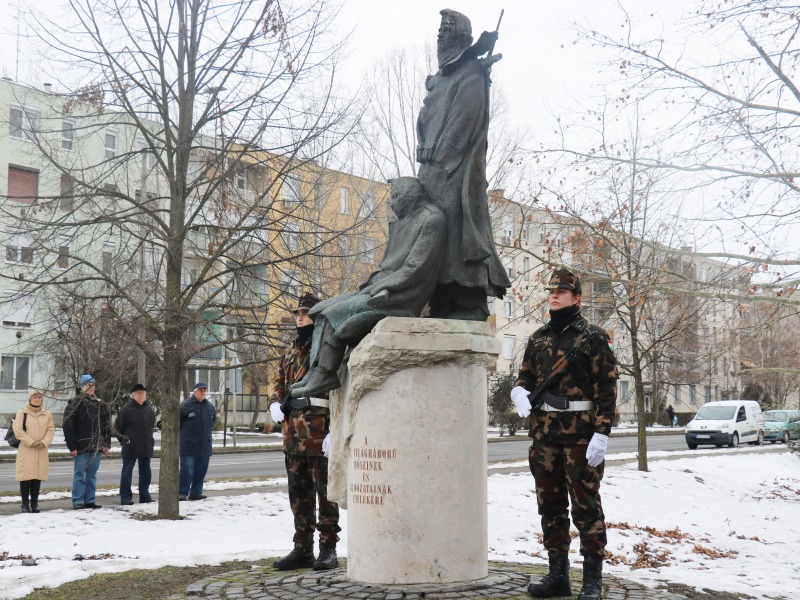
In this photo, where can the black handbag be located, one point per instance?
(10, 437)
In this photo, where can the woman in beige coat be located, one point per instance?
(34, 440)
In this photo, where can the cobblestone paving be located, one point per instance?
(505, 580)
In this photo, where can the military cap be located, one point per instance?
(306, 302)
(564, 279)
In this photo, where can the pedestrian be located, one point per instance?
(33, 427)
(87, 431)
(134, 426)
(452, 130)
(197, 424)
(571, 438)
(305, 441)
(673, 418)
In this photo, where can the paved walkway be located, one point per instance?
(505, 581)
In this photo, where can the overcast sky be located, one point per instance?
(541, 68)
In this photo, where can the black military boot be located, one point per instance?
(327, 558)
(556, 582)
(592, 578)
(301, 557)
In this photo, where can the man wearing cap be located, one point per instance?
(452, 132)
(134, 429)
(197, 422)
(569, 439)
(304, 432)
(87, 432)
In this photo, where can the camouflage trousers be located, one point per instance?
(308, 482)
(562, 475)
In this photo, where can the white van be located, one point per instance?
(726, 422)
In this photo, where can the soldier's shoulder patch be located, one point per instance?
(538, 340)
(610, 345)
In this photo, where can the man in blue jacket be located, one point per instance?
(87, 431)
(197, 423)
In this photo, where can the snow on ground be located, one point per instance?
(721, 522)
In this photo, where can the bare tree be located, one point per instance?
(209, 119)
(725, 122)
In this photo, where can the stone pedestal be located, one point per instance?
(415, 391)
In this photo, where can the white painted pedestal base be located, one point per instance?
(416, 462)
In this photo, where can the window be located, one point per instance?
(508, 229)
(290, 284)
(108, 257)
(526, 308)
(344, 201)
(68, 134)
(15, 372)
(367, 250)
(526, 268)
(109, 199)
(189, 276)
(367, 204)
(707, 393)
(19, 249)
(623, 391)
(63, 255)
(508, 346)
(23, 123)
(23, 184)
(111, 144)
(17, 310)
(240, 180)
(693, 394)
(677, 391)
(66, 200)
(508, 264)
(290, 190)
(508, 307)
(291, 236)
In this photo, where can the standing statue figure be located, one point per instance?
(452, 131)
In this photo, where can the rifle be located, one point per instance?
(540, 394)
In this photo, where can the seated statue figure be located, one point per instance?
(401, 287)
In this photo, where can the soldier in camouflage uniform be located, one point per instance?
(566, 457)
(304, 432)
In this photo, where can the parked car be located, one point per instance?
(781, 425)
(726, 422)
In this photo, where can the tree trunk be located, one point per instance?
(170, 437)
(638, 383)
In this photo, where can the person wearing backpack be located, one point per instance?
(33, 426)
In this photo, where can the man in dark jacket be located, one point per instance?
(570, 430)
(87, 432)
(197, 423)
(134, 425)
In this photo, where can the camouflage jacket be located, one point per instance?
(303, 429)
(591, 376)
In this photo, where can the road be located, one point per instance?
(260, 464)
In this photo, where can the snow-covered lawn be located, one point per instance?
(720, 522)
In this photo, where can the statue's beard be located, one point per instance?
(447, 51)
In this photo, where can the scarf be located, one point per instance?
(559, 319)
(304, 333)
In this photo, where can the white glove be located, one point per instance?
(519, 396)
(596, 450)
(326, 445)
(276, 412)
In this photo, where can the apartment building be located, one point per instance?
(84, 203)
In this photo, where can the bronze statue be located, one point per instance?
(452, 131)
